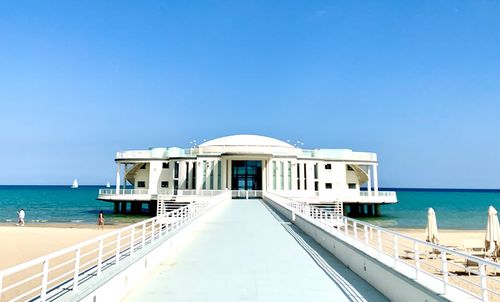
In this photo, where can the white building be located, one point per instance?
(248, 165)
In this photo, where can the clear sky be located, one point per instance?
(418, 82)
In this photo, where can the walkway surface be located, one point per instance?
(247, 252)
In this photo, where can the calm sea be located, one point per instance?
(56, 204)
(455, 209)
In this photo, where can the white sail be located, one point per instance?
(75, 184)
(108, 185)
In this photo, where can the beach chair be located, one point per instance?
(474, 247)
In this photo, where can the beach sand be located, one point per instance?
(21, 244)
(452, 238)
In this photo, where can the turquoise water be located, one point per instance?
(56, 204)
(455, 209)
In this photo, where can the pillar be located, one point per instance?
(377, 210)
(375, 180)
(117, 178)
(124, 207)
(370, 210)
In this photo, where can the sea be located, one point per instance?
(455, 208)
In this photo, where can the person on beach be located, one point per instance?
(100, 220)
(20, 217)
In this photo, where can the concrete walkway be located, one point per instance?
(247, 252)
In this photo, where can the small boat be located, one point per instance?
(108, 185)
(75, 184)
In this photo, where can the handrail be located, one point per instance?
(108, 249)
(123, 191)
(388, 245)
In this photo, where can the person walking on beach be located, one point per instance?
(100, 221)
(20, 217)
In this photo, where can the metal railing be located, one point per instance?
(190, 192)
(123, 191)
(379, 193)
(61, 272)
(445, 270)
(246, 194)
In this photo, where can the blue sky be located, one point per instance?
(417, 82)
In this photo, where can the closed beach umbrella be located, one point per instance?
(432, 229)
(492, 239)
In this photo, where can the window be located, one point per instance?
(305, 176)
(298, 176)
(274, 174)
(143, 166)
(165, 165)
(219, 175)
(176, 169)
(349, 168)
(187, 175)
(141, 184)
(352, 186)
(289, 175)
(211, 167)
(316, 186)
(282, 176)
(316, 171)
(193, 185)
(164, 184)
(328, 166)
(204, 174)
(328, 185)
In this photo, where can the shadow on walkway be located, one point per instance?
(354, 287)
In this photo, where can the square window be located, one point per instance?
(352, 186)
(328, 166)
(165, 165)
(164, 184)
(328, 185)
(141, 184)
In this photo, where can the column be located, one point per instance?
(117, 178)
(375, 180)
(369, 180)
(124, 177)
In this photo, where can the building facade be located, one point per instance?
(253, 164)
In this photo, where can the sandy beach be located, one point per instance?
(21, 244)
(452, 238)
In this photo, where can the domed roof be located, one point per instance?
(246, 140)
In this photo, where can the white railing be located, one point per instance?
(64, 271)
(445, 270)
(134, 154)
(246, 194)
(208, 193)
(379, 193)
(123, 191)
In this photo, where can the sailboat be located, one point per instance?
(108, 185)
(75, 184)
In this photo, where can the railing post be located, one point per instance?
(45, 275)
(99, 258)
(484, 286)
(118, 243)
(143, 235)
(396, 250)
(366, 235)
(76, 272)
(346, 225)
(152, 231)
(379, 242)
(355, 229)
(444, 268)
(417, 259)
(132, 239)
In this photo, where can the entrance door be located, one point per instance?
(246, 175)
